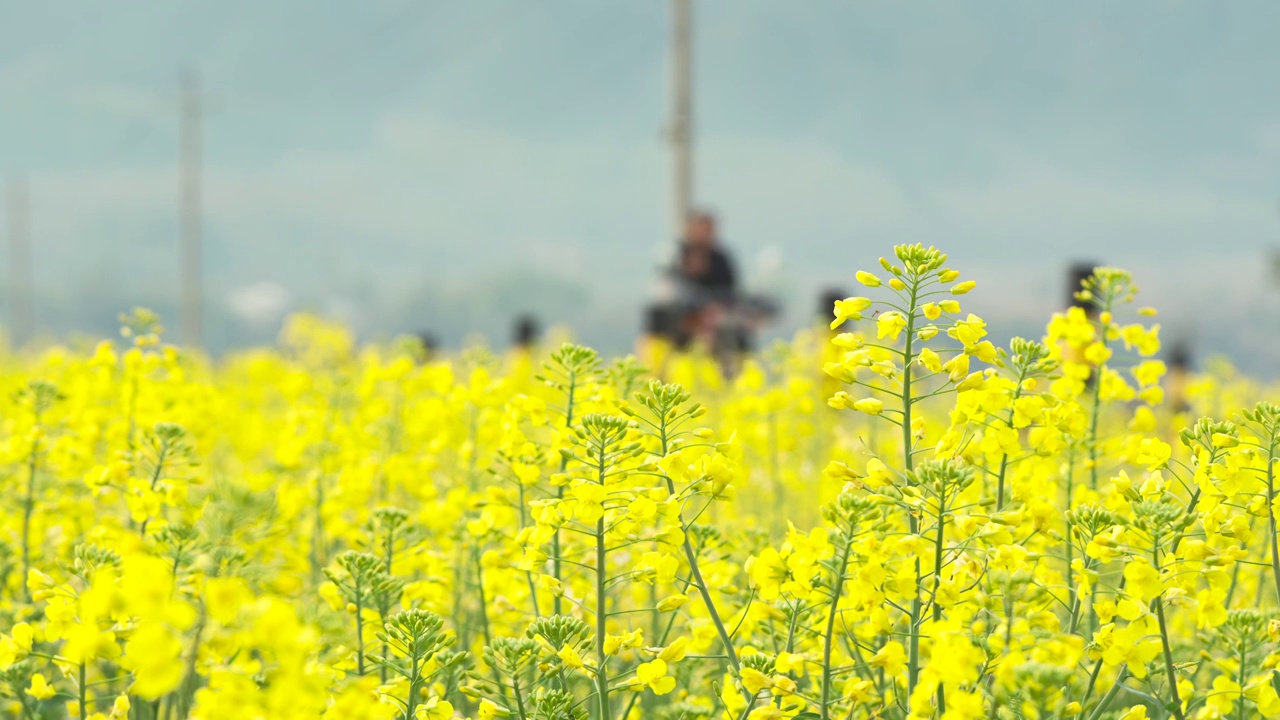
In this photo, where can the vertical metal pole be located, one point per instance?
(682, 110)
(21, 320)
(191, 250)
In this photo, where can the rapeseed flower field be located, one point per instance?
(893, 519)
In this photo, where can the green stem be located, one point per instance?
(359, 628)
(557, 601)
(28, 510)
(1093, 683)
(831, 625)
(1075, 606)
(1168, 661)
(80, 691)
(1093, 427)
(528, 576)
(937, 580)
(602, 678)
(1244, 663)
(386, 654)
(602, 600)
(1106, 699)
(188, 686)
(317, 537)
(412, 702)
(155, 479)
(913, 659)
(696, 572)
(1008, 642)
(317, 532)
(484, 612)
(1004, 458)
(515, 686)
(1271, 517)
(1104, 310)
(1071, 577)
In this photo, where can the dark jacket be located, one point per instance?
(716, 278)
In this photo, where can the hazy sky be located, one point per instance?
(378, 148)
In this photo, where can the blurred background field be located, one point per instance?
(405, 165)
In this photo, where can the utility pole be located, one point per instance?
(21, 321)
(191, 251)
(681, 131)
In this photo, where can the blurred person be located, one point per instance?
(1076, 275)
(426, 346)
(524, 340)
(1179, 374)
(698, 302)
(707, 273)
(525, 332)
(691, 292)
(703, 262)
